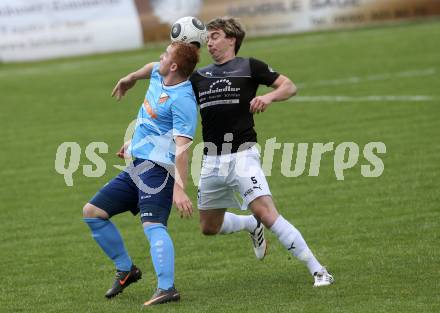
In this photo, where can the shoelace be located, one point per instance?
(120, 275)
(255, 241)
(323, 276)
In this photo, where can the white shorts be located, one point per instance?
(231, 181)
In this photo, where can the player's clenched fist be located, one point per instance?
(259, 104)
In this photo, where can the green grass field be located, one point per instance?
(379, 236)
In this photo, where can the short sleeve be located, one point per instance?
(262, 73)
(193, 79)
(155, 70)
(184, 111)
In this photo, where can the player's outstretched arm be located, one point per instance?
(127, 82)
(180, 198)
(283, 87)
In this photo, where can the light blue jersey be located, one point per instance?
(167, 111)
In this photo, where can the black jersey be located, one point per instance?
(223, 94)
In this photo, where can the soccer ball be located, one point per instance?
(189, 29)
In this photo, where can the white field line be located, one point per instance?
(361, 98)
(377, 77)
(66, 65)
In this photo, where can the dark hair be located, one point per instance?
(186, 56)
(232, 28)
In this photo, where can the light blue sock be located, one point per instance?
(162, 254)
(108, 238)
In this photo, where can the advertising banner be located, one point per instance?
(41, 29)
(282, 16)
(290, 16)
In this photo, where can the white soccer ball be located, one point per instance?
(189, 29)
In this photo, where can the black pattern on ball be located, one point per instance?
(198, 24)
(175, 31)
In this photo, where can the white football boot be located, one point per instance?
(258, 241)
(323, 278)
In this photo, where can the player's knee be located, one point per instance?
(265, 212)
(91, 211)
(268, 218)
(148, 224)
(209, 229)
